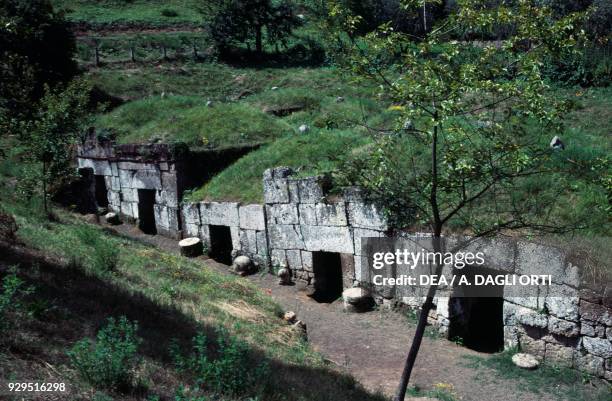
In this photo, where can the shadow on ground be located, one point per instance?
(79, 304)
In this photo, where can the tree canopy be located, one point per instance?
(36, 49)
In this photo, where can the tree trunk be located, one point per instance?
(44, 184)
(418, 334)
(437, 224)
(258, 44)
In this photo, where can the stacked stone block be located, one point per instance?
(568, 323)
(125, 174)
(246, 223)
(302, 219)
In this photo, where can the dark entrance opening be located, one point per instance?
(221, 244)
(477, 313)
(327, 267)
(101, 192)
(146, 213)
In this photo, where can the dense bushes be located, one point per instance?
(111, 361)
(36, 49)
(247, 21)
(590, 67)
(228, 369)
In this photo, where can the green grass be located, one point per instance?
(220, 81)
(120, 12)
(149, 284)
(189, 120)
(312, 153)
(565, 383)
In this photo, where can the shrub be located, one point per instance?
(110, 362)
(230, 371)
(11, 297)
(105, 257)
(168, 12)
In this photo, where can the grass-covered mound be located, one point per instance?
(190, 120)
(315, 152)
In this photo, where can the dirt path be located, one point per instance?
(372, 345)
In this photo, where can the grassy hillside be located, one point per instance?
(190, 120)
(80, 275)
(136, 12)
(310, 154)
(267, 102)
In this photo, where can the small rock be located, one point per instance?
(111, 218)
(242, 265)
(525, 361)
(209, 103)
(556, 143)
(290, 317)
(284, 276)
(354, 295)
(274, 88)
(303, 128)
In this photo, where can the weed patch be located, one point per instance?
(111, 361)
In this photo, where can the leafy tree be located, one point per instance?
(36, 49)
(472, 147)
(49, 137)
(247, 21)
(369, 14)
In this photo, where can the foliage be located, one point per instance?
(104, 253)
(232, 370)
(50, 137)
(590, 66)
(36, 49)
(476, 124)
(246, 22)
(111, 361)
(463, 146)
(366, 16)
(11, 301)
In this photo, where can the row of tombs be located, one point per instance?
(317, 237)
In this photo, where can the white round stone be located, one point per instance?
(525, 361)
(189, 241)
(354, 295)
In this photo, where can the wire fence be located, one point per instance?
(151, 48)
